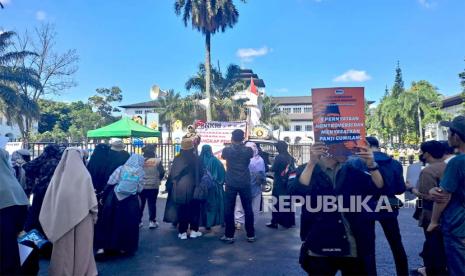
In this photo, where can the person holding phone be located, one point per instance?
(337, 241)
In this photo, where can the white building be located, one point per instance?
(299, 110)
(145, 111)
(7, 129)
(452, 105)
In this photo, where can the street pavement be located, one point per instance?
(275, 252)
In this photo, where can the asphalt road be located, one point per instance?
(275, 252)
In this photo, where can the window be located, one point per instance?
(297, 110)
(138, 112)
(286, 128)
(307, 109)
(287, 110)
(298, 128)
(308, 128)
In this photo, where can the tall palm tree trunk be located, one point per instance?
(208, 75)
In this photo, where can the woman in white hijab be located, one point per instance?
(68, 215)
(13, 211)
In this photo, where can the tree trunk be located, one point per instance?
(208, 75)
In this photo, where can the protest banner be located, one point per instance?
(13, 146)
(339, 118)
(217, 134)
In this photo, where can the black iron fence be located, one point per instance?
(301, 152)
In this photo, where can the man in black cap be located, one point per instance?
(449, 200)
(237, 158)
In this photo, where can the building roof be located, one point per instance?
(452, 100)
(293, 100)
(246, 74)
(149, 104)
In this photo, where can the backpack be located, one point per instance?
(201, 189)
(129, 181)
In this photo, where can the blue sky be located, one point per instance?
(294, 45)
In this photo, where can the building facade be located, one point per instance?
(300, 113)
(453, 106)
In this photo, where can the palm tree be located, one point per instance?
(208, 17)
(223, 88)
(422, 105)
(16, 105)
(272, 115)
(169, 109)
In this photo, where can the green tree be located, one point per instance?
(52, 113)
(208, 17)
(84, 119)
(223, 88)
(272, 115)
(398, 87)
(103, 103)
(462, 82)
(16, 106)
(421, 106)
(170, 109)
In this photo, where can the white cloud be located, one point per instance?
(353, 76)
(248, 54)
(282, 90)
(427, 3)
(41, 15)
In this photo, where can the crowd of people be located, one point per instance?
(85, 207)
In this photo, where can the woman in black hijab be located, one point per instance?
(98, 167)
(283, 164)
(39, 172)
(184, 176)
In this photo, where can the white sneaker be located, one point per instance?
(153, 225)
(195, 234)
(183, 236)
(141, 225)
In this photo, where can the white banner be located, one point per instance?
(217, 134)
(13, 146)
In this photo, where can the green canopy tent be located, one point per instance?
(124, 128)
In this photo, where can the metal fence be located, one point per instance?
(300, 152)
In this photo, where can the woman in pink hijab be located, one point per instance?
(68, 214)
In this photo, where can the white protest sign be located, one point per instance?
(217, 134)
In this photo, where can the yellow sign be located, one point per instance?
(177, 126)
(154, 125)
(261, 131)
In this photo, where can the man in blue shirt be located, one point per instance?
(450, 200)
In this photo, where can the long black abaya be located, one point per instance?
(119, 228)
(106, 196)
(11, 224)
(282, 162)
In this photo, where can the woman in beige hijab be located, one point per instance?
(68, 215)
